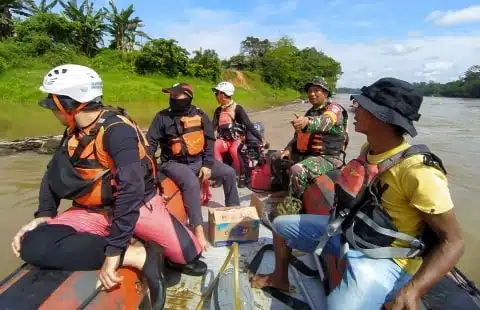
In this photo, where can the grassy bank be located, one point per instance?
(140, 95)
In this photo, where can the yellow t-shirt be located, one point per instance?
(413, 187)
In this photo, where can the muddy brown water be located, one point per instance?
(449, 126)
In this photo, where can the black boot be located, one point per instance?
(242, 181)
(153, 273)
(194, 268)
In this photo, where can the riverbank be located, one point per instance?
(48, 144)
(140, 95)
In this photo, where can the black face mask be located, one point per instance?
(180, 105)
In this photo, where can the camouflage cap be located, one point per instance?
(318, 81)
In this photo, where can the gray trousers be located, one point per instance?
(186, 178)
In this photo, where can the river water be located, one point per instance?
(448, 126)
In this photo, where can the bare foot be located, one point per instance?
(269, 280)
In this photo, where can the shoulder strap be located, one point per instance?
(104, 120)
(430, 159)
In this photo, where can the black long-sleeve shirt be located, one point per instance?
(241, 117)
(163, 129)
(121, 144)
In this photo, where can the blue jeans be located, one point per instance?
(367, 283)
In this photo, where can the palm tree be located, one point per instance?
(43, 7)
(7, 7)
(123, 28)
(90, 25)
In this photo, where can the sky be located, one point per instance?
(415, 40)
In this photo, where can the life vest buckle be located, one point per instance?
(417, 244)
(344, 212)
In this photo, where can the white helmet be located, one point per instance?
(80, 83)
(225, 87)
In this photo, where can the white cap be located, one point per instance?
(80, 83)
(225, 87)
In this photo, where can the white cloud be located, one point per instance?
(414, 58)
(469, 14)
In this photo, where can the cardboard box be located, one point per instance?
(265, 203)
(228, 225)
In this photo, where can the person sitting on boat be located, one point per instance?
(394, 195)
(185, 136)
(231, 125)
(319, 142)
(103, 166)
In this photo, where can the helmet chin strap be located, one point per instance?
(69, 117)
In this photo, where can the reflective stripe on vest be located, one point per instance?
(358, 214)
(190, 140)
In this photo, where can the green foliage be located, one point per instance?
(466, 87)
(162, 56)
(14, 53)
(315, 63)
(253, 49)
(237, 62)
(280, 65)
(123, 27)
(89, 25)
(38, 44)
(80, 28)
(115, 60)
(3, 65)
(206, 65)
(285, 66)
(54, 26)
(62, 54)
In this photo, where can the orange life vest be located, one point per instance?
(228, 128)
(324, 143)
(191, 137)
(357, 210)
(82, 169)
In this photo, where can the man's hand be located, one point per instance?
(108, 274)
(407, 298)
(199, 233)
(17, 239)
(285, 154)
(300, 122)
(205, 174)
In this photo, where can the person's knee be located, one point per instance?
(284, 224)
(228, 172)
(295, 170)
(35, 246)
(190, 183)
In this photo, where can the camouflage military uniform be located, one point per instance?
(307, 168)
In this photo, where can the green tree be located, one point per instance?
(205, 64)
(7, 9)
(42, 32)
(473, 73)
(88, 23)
(43, 7)
(237, 62)
(315, 63)
(280, 64)
(55, 26)
(253, 49)
(123, 27)
(162, 56)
